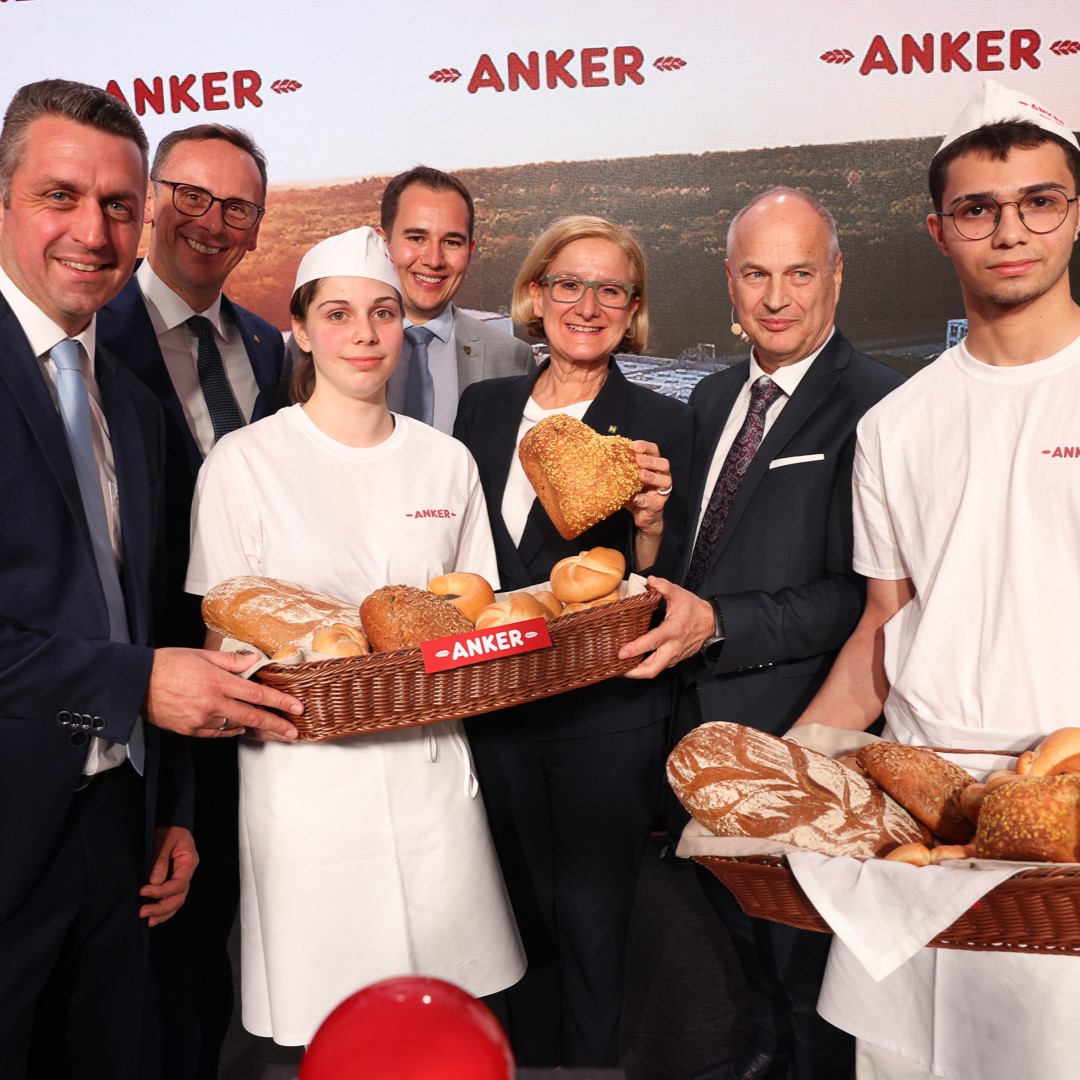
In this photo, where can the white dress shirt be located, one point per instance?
(180, 350)
(787, 378)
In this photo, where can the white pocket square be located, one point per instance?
(782, 461)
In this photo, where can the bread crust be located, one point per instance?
(1035, 819)
(469, 593)
(580, 476)
(517, 607)
(587, 576)
(401, 617)
(271, 614)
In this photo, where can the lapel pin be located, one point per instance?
(256, 339)
(467, 350)
(612, 428)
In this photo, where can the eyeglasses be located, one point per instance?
(566, 289)
(1040, 212)
(195, 201)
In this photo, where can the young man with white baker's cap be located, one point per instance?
(967, 524)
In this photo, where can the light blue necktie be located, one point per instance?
(75, 413)
(419, 386)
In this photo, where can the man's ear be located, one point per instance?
(935, 227)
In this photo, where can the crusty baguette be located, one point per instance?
(272, 614)
(580, 476)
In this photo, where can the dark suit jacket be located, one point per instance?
(55, 655)
(488, 419)
(782, 569)
(124, 327)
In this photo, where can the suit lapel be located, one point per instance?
(469, 353)
(23, 376)
(261, 358)
(813, 389)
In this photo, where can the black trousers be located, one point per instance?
(190, 980)
(570, 818)
(72, 956)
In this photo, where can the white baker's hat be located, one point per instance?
(997, 104)
(357, 253)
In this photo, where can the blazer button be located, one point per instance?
(85, 720)
(79, 738)
(63, 718)
(99, 724)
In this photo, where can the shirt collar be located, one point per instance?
(41, 332)
(168, 309)
(788, 376)
(441, 326)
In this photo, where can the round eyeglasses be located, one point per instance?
(1040, 212)
(567, 289)
(195, 201)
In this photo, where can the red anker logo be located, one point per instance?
(554, 69)
(432, 514)
(962, 50)
(1063, 452)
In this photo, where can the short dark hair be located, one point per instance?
(433, 180)
(996, 141)
(89, 105)
(204, 132)
(302, 380)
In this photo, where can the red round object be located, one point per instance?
(409, 1028)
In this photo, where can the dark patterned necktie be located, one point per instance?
(419, 386)
(762, 394)
(224, 412)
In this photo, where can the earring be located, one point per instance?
(736, 327)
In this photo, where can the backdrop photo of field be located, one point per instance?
(898, 290)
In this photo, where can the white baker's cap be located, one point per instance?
(357, 253)
(997, 104)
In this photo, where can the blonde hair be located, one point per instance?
(548, 245)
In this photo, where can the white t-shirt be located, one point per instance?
(367, 857)
(967, 480)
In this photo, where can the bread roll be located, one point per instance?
(586, 604)
(1058, 753)
(912, 854)
(577, 579)
(270, 614)
(580, 476)
(738, 781)
(517, 607)
(1035, 819)
(924, 784)
(470, 593)
(340, 640)
(549, 602)
(401, 617)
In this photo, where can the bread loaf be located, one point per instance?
(469, 593)
(1058, 753)
(924, 783)
(589, 575)
(401, 617)
(1034, 819)
(272, 615)
(580, 476)
(741, 782)
(517, 607)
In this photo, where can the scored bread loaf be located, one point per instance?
(401, 617)
(580, 476)
(1034, 819)
(738, 781)
(271, 614)
(924, 783)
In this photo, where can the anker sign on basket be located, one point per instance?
(474, 647)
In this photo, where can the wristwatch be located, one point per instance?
(712, 644)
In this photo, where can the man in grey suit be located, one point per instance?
(427, 219)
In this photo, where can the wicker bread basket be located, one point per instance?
(389, 691)
(1035, 911)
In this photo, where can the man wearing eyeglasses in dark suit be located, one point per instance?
(214, 366)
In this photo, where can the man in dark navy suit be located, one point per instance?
(94, 842)
(214, 366)
(770, 591)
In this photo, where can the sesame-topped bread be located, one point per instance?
(401, 617)
(1033, 819)
(580, 476)
(738, 781)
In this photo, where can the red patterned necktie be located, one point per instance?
(762, 394)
